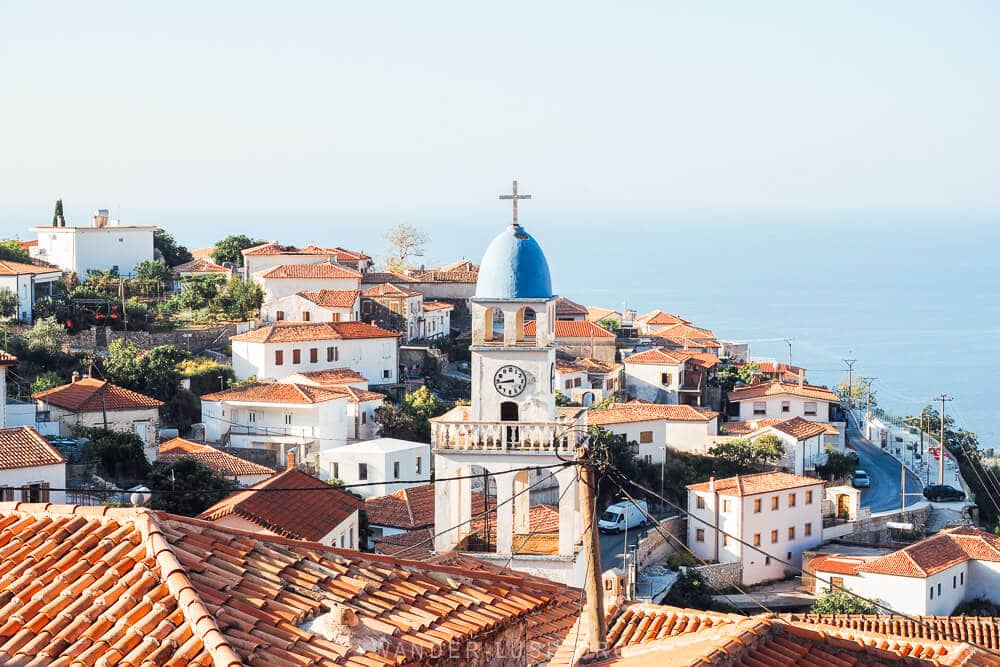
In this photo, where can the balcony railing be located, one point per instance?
(491, 436)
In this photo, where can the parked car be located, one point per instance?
(622, 515)
(860, 480)
(938, 492)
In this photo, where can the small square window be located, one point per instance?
(700, 502)
(296, 356)
(791, 500)
(791, 532)
(809, 497)
(808, 529)
(645, 437)
(756, 505)
(810, 408)
(386, 374)
(786, 406)
(760, 407)
(699, 535)
(775, 501)
(666, 379)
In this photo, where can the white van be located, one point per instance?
(622, 515)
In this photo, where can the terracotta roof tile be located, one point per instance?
(408, 508)
(658, 356)
(199, 265)
(298, 332)
(389, 290)
(626, 413)
(939, 552)
(980, 630)
(573, 329)
(836, 564)
(779, 388)
(340, 254)
(294, 513)
(684, 330)
(219, 461)
(797, 427)
(24, 447)
(277, 392)
(323, 270)
(375, 277)
(763, 482)
(8, 268)
(332, 298)
(436, 305)
(660, 318)
(90, 395)
(332, 376)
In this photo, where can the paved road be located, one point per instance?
(613, 545)
(883, 469)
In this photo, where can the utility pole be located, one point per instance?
(594, 609)
(943, 398)
(788, 341)
(850, 381)
(922, 452)
(868, 399)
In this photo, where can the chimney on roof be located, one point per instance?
(802, 377)
(100, 218)
(711, 484)
(290, 459)
(76, 377)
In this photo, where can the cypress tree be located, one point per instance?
(57, 217)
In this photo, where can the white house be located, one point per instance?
(281, 349)
(685, 336)
(655, 427)
(243, 472)
(325, 305)
(361, 403)
(277, 416)
(395, 308)
(928, 578)
(585, 381)
(104, 245)
(581, 339)
(779, 513)
(437, 319)
(287, 279)
(293, 504)
(269, 255)
(385, 464)
(783, 400)
(31, 469)
(28, 282)
(570, 310)
(660, 375)
(805, 442)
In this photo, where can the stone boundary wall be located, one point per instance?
(719, 575)
(192, 340)
(873, 530)
(655, 548)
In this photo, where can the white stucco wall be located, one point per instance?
(381, 477)
(370, 357)
(275, 288)
(643, 381)
(55, 475)
(774, 409)
(318, 425)
(80, 249)
(296, 308)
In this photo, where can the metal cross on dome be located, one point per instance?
(515, 197)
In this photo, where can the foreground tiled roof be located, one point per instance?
(797, 427)
(299, 332)
(762, 482)
(779, 388)
(939, 552)
(292, 504)
(980, 630)
(276, 392)
(135, 588)
(416, 544)
(625, 413)
(221, 462)
(332, 298)
(573, 329)
(24, 447)
(199, 265)
(90, 395)
(8, 268)
(323, 270)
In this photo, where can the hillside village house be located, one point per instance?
(385, 464)
(688, 338)
(270, 255)
(394, 308)
(326, 305)
(406, 510)
(96, 403)
(570, 310)
(28, 282)
(31, 469)
(929, 578)
(288, 279)
(243, 472)
(783, 400)
(805, 442)
(657, 319)
(295, 505)
(581, 339)
(437, 319)
(660, 375)
(281, 349)
(105, 244)
(586, 381)
(779, 513)
(655, 427)
(361, 403)
(197, 268)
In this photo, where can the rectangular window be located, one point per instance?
(725, 540)
(791, 532)
(756, 539)
(394, 307)
(647, 459)
(666, 379)
(786, 406)
(767, 560)
(699, 535)
(364, 417)
(700, 502)
(7, 493)
(296, 356)
(419, 465)
(366, 307)
(331, 354)
(313, 355)
(725, 505)
(808, 529)
(645, 437)
(335, 470)
(809, 497)
(774, 502)
(810, 408)
(288, 419)
(341, 541)
(386, 374)
(350, 539)
(577, 382)
(791, 500)
(932, 592)
(760, 407)
(335, 317)
(756, 505)
(939, 589)
(954, 582)
(279, 315)
(251, 416)
(774, 537)
(363, 471)
(279, 357)
(305, 315)
(569, 384)
(961, 578)
(395, 469)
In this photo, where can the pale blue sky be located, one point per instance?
(423, 108)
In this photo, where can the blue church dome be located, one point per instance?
(514, 267)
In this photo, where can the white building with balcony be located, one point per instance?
(511, 424)
(776, 399)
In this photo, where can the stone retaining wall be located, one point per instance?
(656, 547)
(721, 576)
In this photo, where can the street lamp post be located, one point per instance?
(663, 470)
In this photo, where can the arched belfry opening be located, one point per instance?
(509, 411)
(526, 324)
(492, 325)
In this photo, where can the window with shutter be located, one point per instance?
(296, 356)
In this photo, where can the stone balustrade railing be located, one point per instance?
(491, 436)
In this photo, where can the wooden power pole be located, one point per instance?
(593, 613)
(850, 382)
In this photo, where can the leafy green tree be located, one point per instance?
(119, 456)
(204, 374)
(620, 454)
(730, 374)
(230, 249)
(736, 457)
(691, 592)
(610, 323)
(181, 410)
(197, 292)
(410, 421)
(240, 299)
(839, 601)
(154, 270)
(173, 253)
(856, 394)
(153, 372)
(45, 335)
(8, 302)
(605, 403)
(189, 487)
(837, 466)
(47, 380)
(11, 251)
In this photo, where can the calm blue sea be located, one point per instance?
(912, 297)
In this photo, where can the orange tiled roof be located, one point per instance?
(797, 427)
(980, 630)
(284, 508)
(276, 392)
(573, 329)
(684, 330)
(659, 356)
(301, 332)
(779, 388)
(323, 270)
(633, 411)
(8, 268)
(390, 290)
(219, 461)
(836, 564)
(90, 395)
(355, 395)
(199, 265)
(332, 376)
(437, 305)
(133, 587)
(408, 508)
(417, 544)
(661, 318)
(312, 249)
(24, 447)
(762, 482)
(939, 552)
(596, 313)
(460, 265)
(566, 307)
(374, 277)
(332, 298)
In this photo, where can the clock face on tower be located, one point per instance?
(510, 381)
